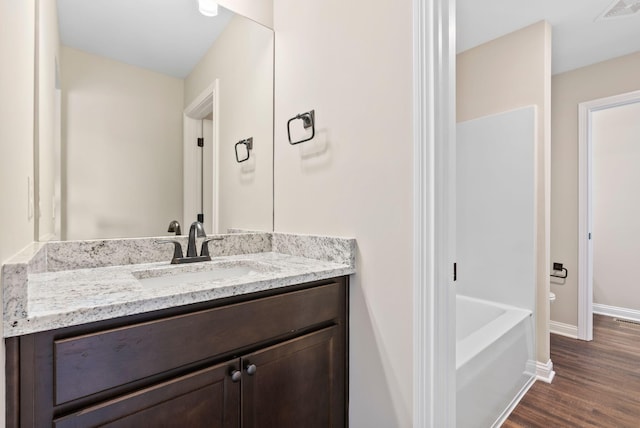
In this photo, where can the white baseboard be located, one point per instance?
(616, 312)
(544, 372)
(563, 329)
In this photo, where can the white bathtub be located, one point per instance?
(494, 360)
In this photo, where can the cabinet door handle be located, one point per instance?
(251, 369)
(236, 375)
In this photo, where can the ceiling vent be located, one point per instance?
(620, 9)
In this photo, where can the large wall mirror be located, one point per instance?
(126, 91)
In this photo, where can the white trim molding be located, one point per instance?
(544, 371)
(585, 241)
(616, 312)
(190, 194)
(434, 356)
(204, 104)
(585, 284)
(563, 329)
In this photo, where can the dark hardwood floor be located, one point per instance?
(597, 383)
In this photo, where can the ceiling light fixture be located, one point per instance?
(620, 9)
(208, 7)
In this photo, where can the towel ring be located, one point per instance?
(308, 121)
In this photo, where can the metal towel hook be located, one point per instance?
(308, 121)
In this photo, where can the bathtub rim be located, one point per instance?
(489, 333)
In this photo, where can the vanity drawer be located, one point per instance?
(95, 362)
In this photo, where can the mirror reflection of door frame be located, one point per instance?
(585, 208)
(202, 106)
(57, 189)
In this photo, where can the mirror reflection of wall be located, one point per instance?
(242, 62)
(123, 156)
(122, 130)
(47, 150)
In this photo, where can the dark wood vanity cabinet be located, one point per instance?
(206, 398)
(295, 383)
(270, 359)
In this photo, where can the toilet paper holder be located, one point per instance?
(558, 267)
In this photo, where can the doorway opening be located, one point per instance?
(586, 117)
(200, 160)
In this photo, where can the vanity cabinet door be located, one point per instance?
(207, 398)
(298, 383)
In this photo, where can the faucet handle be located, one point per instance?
(177, 248)
(204, 250)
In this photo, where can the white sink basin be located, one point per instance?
(201, 272)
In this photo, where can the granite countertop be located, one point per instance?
(63, 284)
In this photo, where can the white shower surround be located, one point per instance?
(496, 254)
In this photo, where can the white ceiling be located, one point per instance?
(170, 36)
(167, 36)
(578, 40)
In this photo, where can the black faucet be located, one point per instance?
(195, 231)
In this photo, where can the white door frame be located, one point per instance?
(585, 209)
(204, 104)
(434, 354)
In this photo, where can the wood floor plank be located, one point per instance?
(597, 383)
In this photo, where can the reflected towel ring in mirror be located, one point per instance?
(244, 153)
(308, 121)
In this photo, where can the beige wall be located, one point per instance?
(242, 61)
(616, 76)
(616, 206)
(510, 72)
(48, 130)
(17, 52)
(352, 63)
(122, 128)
